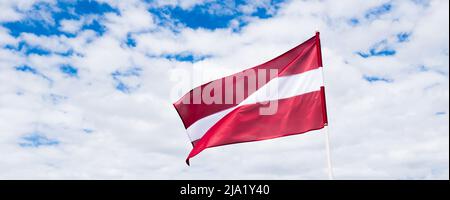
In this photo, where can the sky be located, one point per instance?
(86, 87)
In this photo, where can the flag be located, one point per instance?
(284, 96)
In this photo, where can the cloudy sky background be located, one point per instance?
(86, 87)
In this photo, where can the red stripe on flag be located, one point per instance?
(324, 106)
(295, 115)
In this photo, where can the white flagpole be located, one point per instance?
(327, 144)
(326, 131)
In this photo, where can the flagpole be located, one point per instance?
(327, 135)
(327, 144)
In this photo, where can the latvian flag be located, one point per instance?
(284, 96)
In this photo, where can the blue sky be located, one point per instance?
(86, 86)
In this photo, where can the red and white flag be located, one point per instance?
(284, 96)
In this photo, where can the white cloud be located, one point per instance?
(16, 10)
(71, 26)
(185, 4)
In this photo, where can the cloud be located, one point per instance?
(70, 26)
(86, 88)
